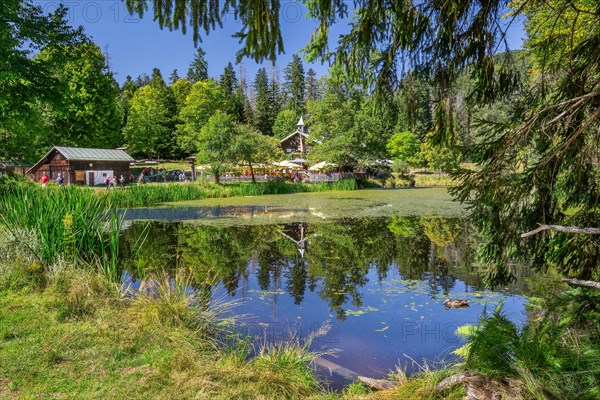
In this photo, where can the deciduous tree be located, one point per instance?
(89, 113)
(148, 121)
(285, 123)
(215, 142)
(250, 147)
(405, 146)
(28, 85)
(204, 100)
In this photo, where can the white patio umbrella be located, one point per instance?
(319, 166)
(286, 164)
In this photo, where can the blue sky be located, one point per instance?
(136, 45)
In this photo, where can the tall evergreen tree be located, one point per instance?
(157, 80)
(262, 106)
(294, 85)
(142, 80)
(312, 85)
(276, 95)
(166, 144)
(127, 91)
(198, 70)
(242, 97)
(229, 83)
(174, 77)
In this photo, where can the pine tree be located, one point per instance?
(276, 95)
(142, 80)
(312, 86)
(294, 84)
(198, 70)
(127, 91)
(262, 106)
(242, 97)
(229, 83)
(157, 79)
(174, 77)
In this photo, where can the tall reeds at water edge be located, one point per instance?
(82, 225)
(150, 195)
(69, 223)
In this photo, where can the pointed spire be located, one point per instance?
(301, 124)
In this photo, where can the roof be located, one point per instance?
(301, 121)
(292, 135)
(83, 154)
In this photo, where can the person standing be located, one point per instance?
(114, 182)
(107, 181)
(122, 180)
(45, 179)
(59, 180)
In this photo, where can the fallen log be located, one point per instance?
(451, 381)
(379, 384)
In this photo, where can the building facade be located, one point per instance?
(295, 143)
(82, 166)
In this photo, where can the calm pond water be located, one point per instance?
(378, 281)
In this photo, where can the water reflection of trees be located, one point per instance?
(332, 259)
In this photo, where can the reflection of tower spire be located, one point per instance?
(301, 243)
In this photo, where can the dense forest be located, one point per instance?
(73, 99)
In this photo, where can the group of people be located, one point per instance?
(112, 183)
(45, 179)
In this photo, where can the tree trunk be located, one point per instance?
(252, 172)
(560, 228)
(217, 176)
(578, 282)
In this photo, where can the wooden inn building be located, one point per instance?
(82, 166)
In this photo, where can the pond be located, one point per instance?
(377, 275)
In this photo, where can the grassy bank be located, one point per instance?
(73, 334)
(79, 338)
(154, 194)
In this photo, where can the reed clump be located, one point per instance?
(64, 223)
(154, 194)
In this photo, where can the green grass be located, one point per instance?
(80, 338)
(433, 180)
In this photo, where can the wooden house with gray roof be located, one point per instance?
(82, 166)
